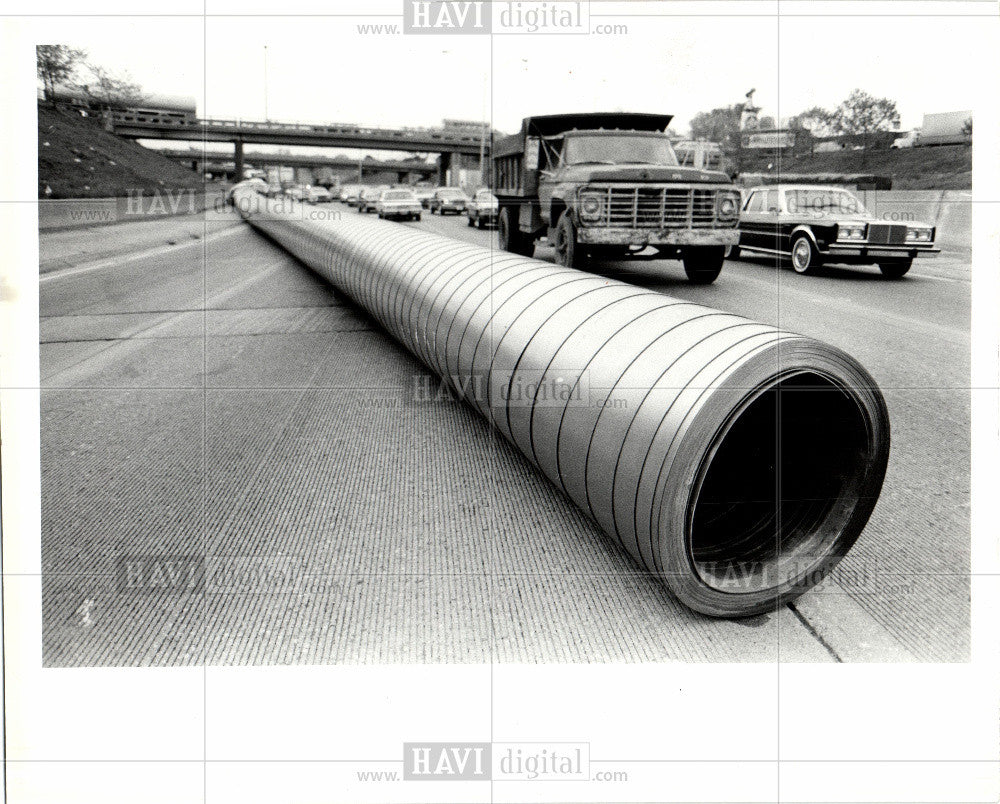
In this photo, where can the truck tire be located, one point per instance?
(567, 248)
(895, 270)
(511, 238)
(703, 264)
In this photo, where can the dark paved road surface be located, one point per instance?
(220, 399)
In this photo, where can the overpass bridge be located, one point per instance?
(220, 163)
(162, 126)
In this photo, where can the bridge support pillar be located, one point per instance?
(238, 160)
(444, 164)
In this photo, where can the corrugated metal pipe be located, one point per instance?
(735, 461)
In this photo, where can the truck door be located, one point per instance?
(545, 174)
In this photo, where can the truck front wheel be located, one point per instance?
(568, 251)
(511, 238)
(703, 264)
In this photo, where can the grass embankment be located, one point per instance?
(944, 167)
(77, 158)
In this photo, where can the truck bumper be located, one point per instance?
(601, 235)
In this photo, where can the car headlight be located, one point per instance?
(918, 234)
(728, 206)
(852, 231)
(591, 206)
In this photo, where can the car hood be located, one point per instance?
(855, 220)
(639, 173)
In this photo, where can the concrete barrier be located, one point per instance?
(670, 424)
(948, 210)
(75, 213)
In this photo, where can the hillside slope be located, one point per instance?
(945, 167)
(77, 158)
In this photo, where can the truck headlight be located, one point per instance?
(918, 234)
(728, 206)
(852, 231)
(591, 206)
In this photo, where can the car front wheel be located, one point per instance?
(895, 270)
(804, 257)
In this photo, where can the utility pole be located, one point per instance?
(266, 117)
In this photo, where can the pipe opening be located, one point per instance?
(781, 485)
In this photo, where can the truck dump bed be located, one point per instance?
(509, 176)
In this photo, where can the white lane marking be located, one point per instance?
(137, 255)
(165, 320)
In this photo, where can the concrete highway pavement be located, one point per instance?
(909, 571)
(220, 399)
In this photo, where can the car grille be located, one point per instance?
(886, 234)
(658, 207)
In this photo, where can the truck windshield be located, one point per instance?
(618, 150)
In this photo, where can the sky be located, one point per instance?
(324, 70)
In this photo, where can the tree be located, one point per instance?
(112, 89)
(56, 64)
(967, 128)
(862, 115)
(816, 120)
(720, 125)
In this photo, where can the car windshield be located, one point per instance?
(485, 195)
(451, 194)
(399, 195)
(618, 150)
(823, 201)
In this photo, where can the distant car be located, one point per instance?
(448, 199)
(296, 192)
(424, 196)
(318, 195)
(908, 140)
(350, 194)
(369, 197)
(482, 209)
(402, 204)
(273, 190)
(815, 225)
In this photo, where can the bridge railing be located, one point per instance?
(159, 121)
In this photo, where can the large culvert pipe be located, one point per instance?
(735, 461)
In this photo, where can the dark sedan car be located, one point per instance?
(815, 225)
(448, 199)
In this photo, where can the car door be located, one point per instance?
(751, 220)
(771, 217)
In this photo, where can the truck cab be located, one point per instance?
(609, 186)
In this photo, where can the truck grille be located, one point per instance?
(658, 207)
(886, 234)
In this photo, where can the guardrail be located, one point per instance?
(735, 461)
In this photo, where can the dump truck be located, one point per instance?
(609, 186)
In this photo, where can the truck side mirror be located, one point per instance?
(531, 147)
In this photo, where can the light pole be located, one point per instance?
(266, 118)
